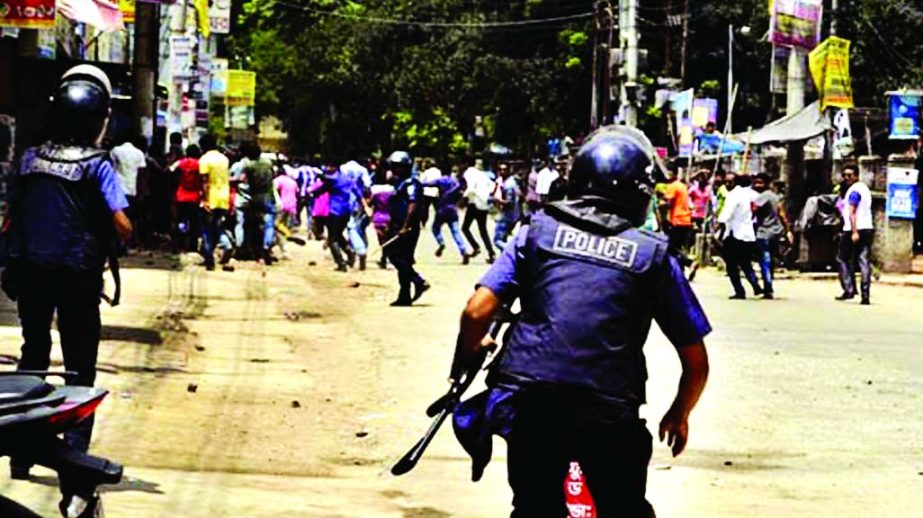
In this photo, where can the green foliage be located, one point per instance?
(344, 85)
(710, 88)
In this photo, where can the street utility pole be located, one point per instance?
(144, 71)
(730, 103)
(594, 92)
(630, 92)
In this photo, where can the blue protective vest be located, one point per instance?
(60, 218)
(586, 310)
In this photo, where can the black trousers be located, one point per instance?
(336, 238)
(551, 431)
(74, 296)
(679, 241)
(472, 215)
(401, 255)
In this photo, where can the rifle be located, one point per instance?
(445, 405)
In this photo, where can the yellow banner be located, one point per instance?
(829, 64)
(241, 88)
(128, 10)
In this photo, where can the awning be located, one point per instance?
(804, 125)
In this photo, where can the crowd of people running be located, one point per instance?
(230, 203)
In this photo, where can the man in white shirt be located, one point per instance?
(736, 218)
(478, 191)
(546, 177)
(430, 174)
(128, 159)
(856, 238)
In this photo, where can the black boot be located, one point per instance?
(361, 263)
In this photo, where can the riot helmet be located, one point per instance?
(80, 106)
(617, 165)
(400, 163)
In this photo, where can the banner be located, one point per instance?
(905, 116)
(28, 14)
(903, 198)
(128, 10)
(219, 16)
(241, 88)
(796, 23)
(829, 64)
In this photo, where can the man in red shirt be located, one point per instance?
(679, 217)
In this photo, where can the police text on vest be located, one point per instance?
(610, 249)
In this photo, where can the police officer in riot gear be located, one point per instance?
(405, 228)
(571, 378)
(66, 211)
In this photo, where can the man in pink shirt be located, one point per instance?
(699, 195)
(287, 189)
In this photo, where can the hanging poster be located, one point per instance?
(219, 16)
(905, 116)
(903, 198)
(829, 64)
(182, 56)
(682, 103)
(796, 23)
(219, 77)
(27, 14)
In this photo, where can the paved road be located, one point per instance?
(287, 392)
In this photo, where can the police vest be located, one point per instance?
(60, 218)
(586, 311)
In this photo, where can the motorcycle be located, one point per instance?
(33, 413)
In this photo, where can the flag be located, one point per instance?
(101, 14)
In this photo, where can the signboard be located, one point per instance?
(829, 64)
(182, 56)
(903, 198)
(905, 116)
(241, 88)
(796, 23)
(28, 14)
(219, 16)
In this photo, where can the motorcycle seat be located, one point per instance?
(15, 389)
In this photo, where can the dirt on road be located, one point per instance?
(287, 391)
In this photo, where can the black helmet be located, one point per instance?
(616, 164)
(400, 163)
(80, 106)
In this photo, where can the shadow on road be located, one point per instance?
(127, 484)
(10, 509)
(138, 335)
